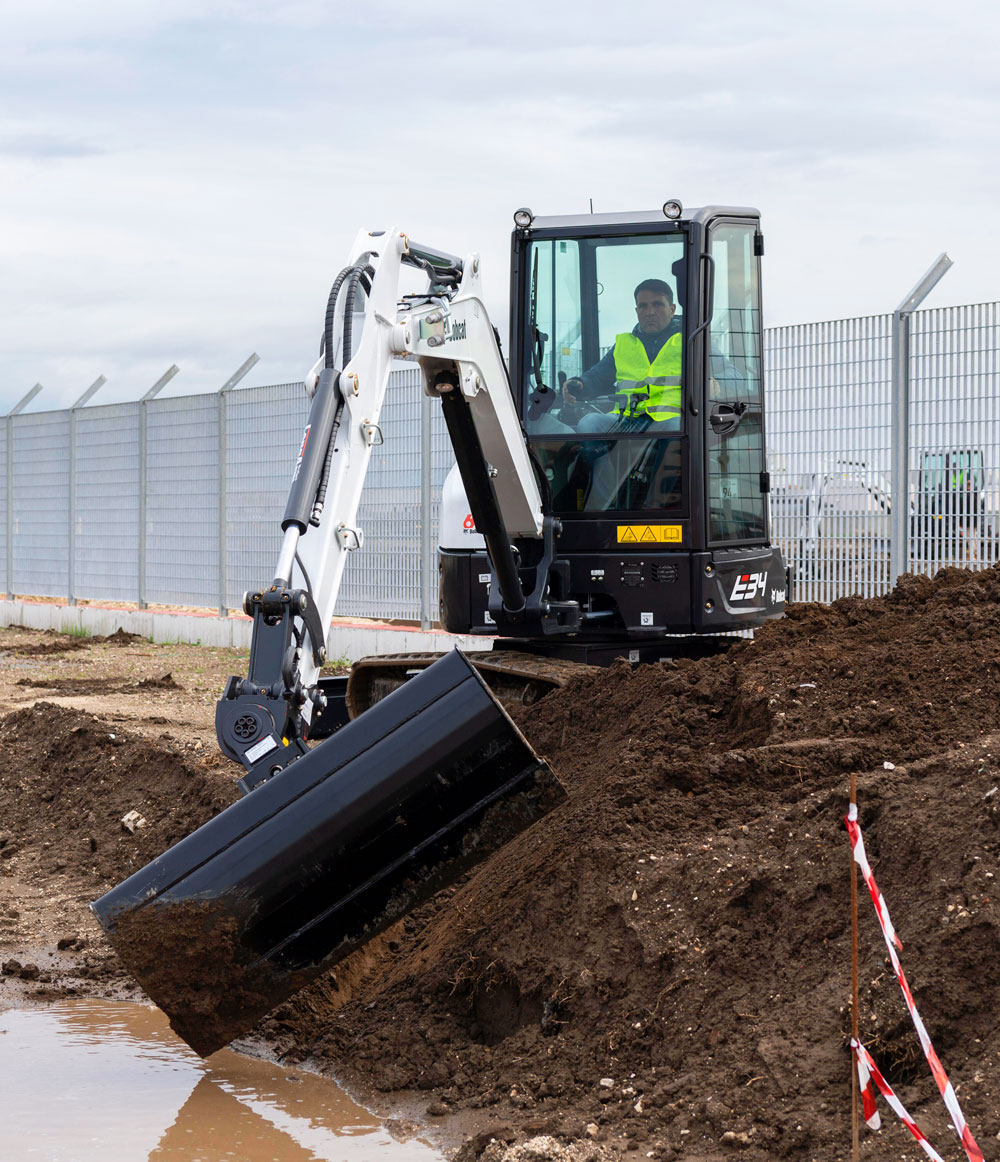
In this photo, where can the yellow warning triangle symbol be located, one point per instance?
(629, 535)
(647, 534)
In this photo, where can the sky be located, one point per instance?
(180, 183)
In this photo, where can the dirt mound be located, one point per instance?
(165, 683)
(120, 637)
(71, 685)
(665, 958)
(69, 779)
(660, 967)
(87, 686)
(58, 643)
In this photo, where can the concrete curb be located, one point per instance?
(344, 640)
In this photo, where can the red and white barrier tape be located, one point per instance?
(892, 942)
(867, 1071)
(872, 1119)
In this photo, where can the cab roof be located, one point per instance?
(639, 217)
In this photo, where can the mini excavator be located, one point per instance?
(592, 514)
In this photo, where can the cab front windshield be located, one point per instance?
(603, 371)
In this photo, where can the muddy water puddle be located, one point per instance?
(89, 1080)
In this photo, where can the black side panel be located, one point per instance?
(464, 595)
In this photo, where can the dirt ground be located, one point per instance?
(658, 969)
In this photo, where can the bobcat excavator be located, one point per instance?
(585, 520)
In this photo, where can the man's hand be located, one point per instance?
(571, 389)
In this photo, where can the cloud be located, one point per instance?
(46, 147)
(179, 183)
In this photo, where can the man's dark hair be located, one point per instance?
(657, 285)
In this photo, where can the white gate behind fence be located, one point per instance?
(178, 501)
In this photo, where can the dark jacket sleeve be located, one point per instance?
(601, 378)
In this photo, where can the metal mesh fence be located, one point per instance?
(5, 460)
(829, 443)
(263, 430)
(41, 513)
(106, 503)
(828, 387)
(954, 432)
(179, 501)
(182, 501)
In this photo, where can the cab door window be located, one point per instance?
(734, 437)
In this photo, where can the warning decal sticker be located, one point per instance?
(649, 534)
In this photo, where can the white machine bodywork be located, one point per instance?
(452, 330)
(456, 528)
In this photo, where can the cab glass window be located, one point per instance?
(735, 446)
(603, 370)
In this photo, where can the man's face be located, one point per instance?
(655, 311)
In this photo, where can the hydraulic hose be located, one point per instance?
(326, 343)
(331, 310)
(360, 270)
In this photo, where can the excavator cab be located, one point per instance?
(636, 360)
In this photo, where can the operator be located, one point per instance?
(645, 363)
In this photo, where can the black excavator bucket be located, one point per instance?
(335, 848)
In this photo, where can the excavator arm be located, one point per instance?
(263, 719)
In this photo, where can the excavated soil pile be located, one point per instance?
(121, 637)
(46, 649)
(91, 686)
(68, 782)
(663, 963)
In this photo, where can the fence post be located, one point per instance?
(899, 547)
(223, 551)
(9, 515)
(18, 407)
(426, 618)
(98, 383)
(164, 379)
(223, 496)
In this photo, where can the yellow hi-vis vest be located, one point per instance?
(644, 388)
